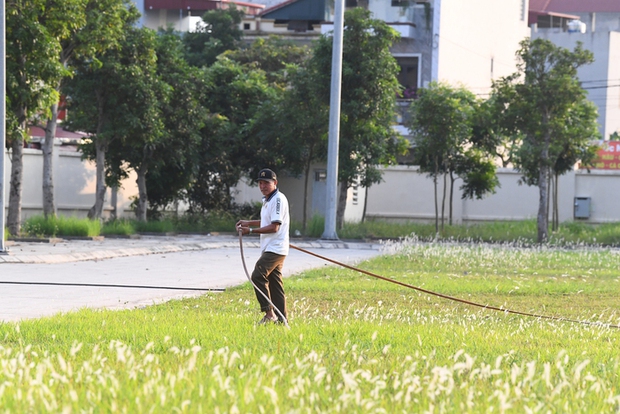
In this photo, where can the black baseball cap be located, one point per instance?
(266, 175)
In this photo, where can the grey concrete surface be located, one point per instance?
(206, 262)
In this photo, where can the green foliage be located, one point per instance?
(315, 226)
(228, 147)
(39, 226)
(213, 221)
(119, 227)
(274, 55)
(33, 69)
(173, 158)
(218, 33)
(357, 344)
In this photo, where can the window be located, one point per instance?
(408, 75)
(320, 175)
(246, 26)
(401, 3)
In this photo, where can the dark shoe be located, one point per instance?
(266, 320)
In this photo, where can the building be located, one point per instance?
(459, 42)
(596, 24)
(184, 15)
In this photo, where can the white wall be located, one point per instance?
(74, 185)
(406, 194)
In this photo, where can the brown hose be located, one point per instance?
(452, 298)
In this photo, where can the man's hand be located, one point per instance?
(243, 226)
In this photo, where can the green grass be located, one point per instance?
(39, 226)
(120, 227)
(503, 232)
(569, 233)
(356, 344)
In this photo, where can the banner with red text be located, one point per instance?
(608, 156)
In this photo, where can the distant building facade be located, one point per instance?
(595, 23)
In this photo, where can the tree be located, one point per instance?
(106, 100)
(174, 160)
(84, 28)
(572, 143)
(369, 88)
(32, 70)
(140, 126)
(274, 55)
(546, 97)
(229, 148)
(218, 33)
(494, 128)
(294, 127)
(293, 124)
(441, 123)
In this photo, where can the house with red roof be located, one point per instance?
(65, 140)
(184, 15)
(596, 14)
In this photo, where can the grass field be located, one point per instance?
(356, 344)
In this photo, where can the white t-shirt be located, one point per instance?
(275, 210)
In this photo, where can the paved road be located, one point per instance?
(210, 262)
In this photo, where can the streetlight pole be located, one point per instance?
(2, 120)
(331, 198)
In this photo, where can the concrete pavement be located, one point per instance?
(191, 261)
(74, 250)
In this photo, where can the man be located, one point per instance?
(273, 228)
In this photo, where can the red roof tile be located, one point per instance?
(576, 6)
(36, 131)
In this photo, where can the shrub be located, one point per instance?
(39, 226)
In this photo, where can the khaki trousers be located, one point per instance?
(267, 276)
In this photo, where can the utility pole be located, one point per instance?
(2, 120)
(331, 196)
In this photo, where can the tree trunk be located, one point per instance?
(451, 199)
(436, 205)
(142, 196)
(306, 180)
(15, 192)
(342, 205)
(443, 200)
(556, 211)
(114, 203)
(550, 202)
(49, 207)
(436, 199)
(365, 203)
(97, 210)
(543, 201)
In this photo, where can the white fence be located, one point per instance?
(406, 194)
(74, 185)
(403, 195)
